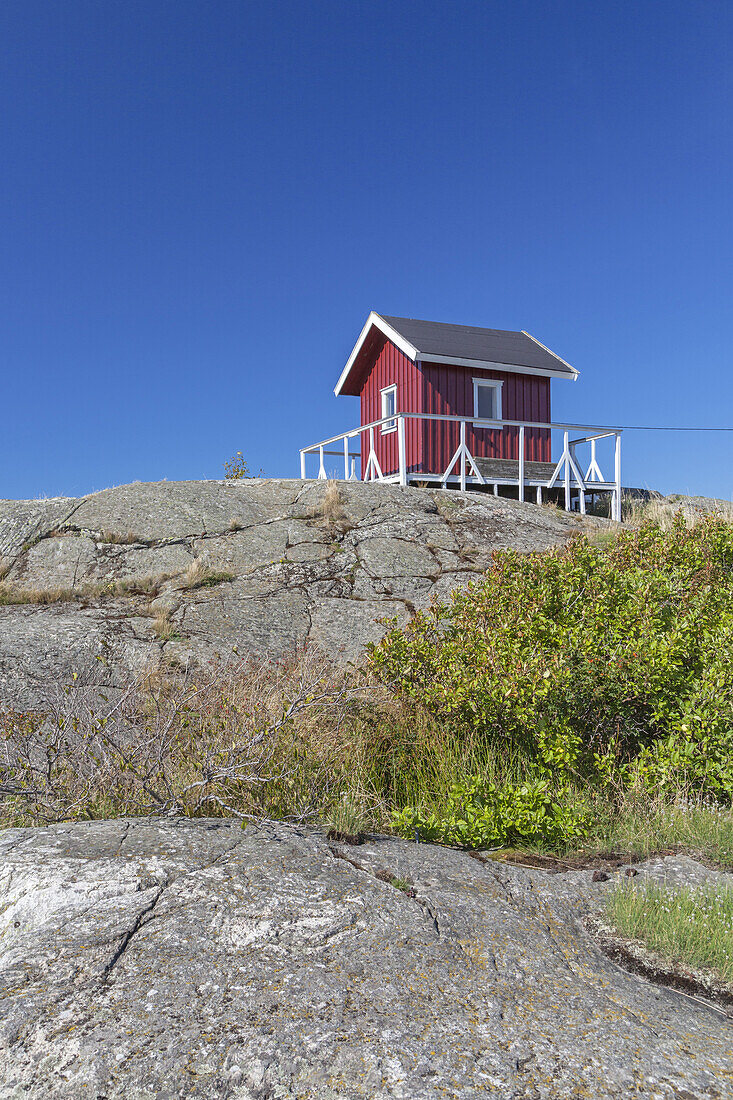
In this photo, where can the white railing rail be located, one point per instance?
(567, 470)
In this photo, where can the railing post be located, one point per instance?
(463, 456)
(581, 487)
(521, 462)
(617, 471)
(566, 452)
(401, 449)
(302, 465)
(346, 458)
(322, 468)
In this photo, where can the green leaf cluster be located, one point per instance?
(478, 814)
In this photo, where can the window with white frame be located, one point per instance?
(486, 399)
(389, 408)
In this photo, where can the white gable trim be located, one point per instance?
(555, 356)
(479, 364)
(391, 334)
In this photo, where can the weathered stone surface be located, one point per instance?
(182, 509)
(344, 627)
(24, 521)
(54, 563)
(397, 557)
(124, 562)
(260, 627)
(299, 574)
(144, 959)
(261, 544)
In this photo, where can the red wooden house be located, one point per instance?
(401, 365)
(456, 405)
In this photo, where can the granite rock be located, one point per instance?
(295, 573)
(158, 959)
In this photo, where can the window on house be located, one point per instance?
(389, 407)
(486, 399)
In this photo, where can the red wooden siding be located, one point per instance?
(392, 367)
(449, 390)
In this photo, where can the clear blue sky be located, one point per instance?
(201, 201)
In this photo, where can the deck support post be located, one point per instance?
(372, 471)
(617, 473)
(463, 465)
(566, 452)
(402, 450)
(581, 483)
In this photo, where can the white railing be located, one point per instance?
(463, 467)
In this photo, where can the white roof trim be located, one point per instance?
(510, 368)
(412, 353)
(391, 334)
(575, 372)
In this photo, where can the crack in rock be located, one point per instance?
(144, 917)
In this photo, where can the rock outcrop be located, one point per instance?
(282, 563)
(147, 960)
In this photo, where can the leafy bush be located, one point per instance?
(613, 664)
(236, 467)
(481, 815)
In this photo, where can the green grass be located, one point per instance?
(214, 577)
(692, 926)
(643, 825)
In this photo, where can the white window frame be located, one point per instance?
(390, 426)
(496, 386)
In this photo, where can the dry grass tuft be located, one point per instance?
(117, 539)
(199, 575)
(136, 586)
(13, 594)
(637, 512)
(330, 513)
(163, 628)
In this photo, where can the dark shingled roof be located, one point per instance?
(493, 345)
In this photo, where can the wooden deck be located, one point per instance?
(575, 476)
(507, 469)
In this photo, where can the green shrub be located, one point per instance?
(482, 815)
(613, 664)
(237, 468)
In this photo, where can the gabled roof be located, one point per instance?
(459, 345)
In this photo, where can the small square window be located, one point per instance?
(389, 408)
(486, 399)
